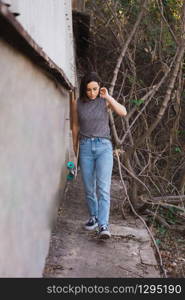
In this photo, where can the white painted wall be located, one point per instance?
(49, 23)
(34, 150)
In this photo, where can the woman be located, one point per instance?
(91, 127)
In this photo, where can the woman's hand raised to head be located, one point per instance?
(104, 93)
(112, 103)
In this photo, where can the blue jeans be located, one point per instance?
(96, 163)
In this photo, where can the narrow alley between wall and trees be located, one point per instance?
(138, 49)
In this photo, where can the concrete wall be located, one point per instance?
(34, 145)
(49, 23)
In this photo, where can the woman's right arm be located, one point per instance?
(75, 126)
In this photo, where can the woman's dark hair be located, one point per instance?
(91, 76)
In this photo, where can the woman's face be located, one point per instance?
(92, 90)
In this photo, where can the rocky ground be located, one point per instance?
(172, 249)
(76, 253)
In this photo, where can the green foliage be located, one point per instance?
(170, 216)
(158, 241)
(137, 102)
(161, 232)
(125, 4)
(181, 132)
(174, 7)
(161, 229)
(177, 149)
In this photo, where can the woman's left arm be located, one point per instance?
(112, 103)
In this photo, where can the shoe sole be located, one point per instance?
(91, 228)
(104, 236)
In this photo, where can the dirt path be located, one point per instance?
(76, 253)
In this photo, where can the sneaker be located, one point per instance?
(92, 223)
(104, 233)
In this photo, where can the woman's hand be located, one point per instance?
(112, 103)
(104, 93)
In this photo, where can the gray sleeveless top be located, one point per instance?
(93, 118)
